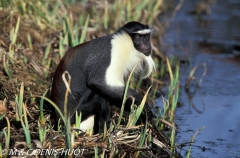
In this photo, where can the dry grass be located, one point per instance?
(33, 38)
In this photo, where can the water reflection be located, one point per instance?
(214, 39)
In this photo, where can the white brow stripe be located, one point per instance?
(145, 31)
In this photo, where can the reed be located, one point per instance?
(74, 26)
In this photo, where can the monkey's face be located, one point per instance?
(142, 43)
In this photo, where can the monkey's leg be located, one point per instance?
(95, 111)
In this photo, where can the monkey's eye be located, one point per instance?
(137, 37)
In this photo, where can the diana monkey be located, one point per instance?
(98, 69)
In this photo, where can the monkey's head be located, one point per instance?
(131, 44)
(140, 35)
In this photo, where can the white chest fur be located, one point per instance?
(124, 57)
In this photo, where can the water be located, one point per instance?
(212, 39)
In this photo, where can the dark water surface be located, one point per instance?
(212, 39)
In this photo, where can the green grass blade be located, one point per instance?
(190, 147)
(55, 107)
(19, 103)
(25, 126)
(95, 151)
(7, 135)
(14, 35)
(125, 92)
(78, 119)
(69, 31)
(7, 67)
(41, 106)
(84, 32)
(42, 130)
(142, 139)
(46, 53)
(29, 39)
(105, 131)
(140, 108)
(106, 16)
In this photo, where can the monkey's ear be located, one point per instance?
(127, 30)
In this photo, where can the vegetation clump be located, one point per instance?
(34, 35)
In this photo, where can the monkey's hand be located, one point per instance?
(161, 136)
(148, 112)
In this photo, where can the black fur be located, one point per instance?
(133, 27)
(87, 64)
(141, 43)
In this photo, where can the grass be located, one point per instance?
(192, 140)
(29, 60)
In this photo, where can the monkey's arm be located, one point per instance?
(113, 94)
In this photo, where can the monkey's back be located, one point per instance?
(81, 61)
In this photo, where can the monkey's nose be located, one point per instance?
(147, 52)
